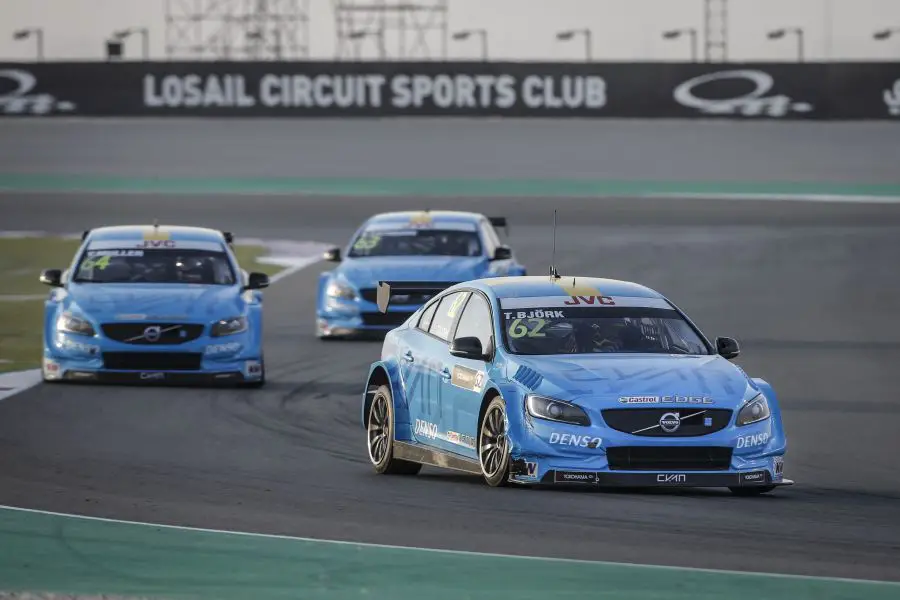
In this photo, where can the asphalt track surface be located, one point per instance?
(811, 290)
(661, 150)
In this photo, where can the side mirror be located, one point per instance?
(333, 255)
(468, 347)
(502, 253)
(727, 347)
(51, 277)
(257, 281)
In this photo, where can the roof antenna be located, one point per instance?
(554, 274)
(155, 223)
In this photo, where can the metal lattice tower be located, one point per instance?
(237, 29)
(716, 26)
(404, 30)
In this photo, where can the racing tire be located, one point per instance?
(493, 444)
(380, 437)
(751, 491)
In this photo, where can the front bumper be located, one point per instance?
(521, 473)
(349, 319)
(205, 361)
(552, 453)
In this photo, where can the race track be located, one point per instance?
(811, 291)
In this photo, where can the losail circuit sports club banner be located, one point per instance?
(635, 90)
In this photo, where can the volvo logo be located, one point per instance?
(153, 333)
(670, 422)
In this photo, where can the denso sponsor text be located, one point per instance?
(750, 441)
(579, 441)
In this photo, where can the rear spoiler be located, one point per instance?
(389, 289)
(500, 222)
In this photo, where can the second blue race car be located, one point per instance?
(424, 246)
(154, 305)
(565, 380)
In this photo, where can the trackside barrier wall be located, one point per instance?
(837, 91)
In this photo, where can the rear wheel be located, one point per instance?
(380, 436)
(751, 491)
(493, 444)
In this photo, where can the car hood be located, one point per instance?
(367, 272)
(180, 302)
(598, 381)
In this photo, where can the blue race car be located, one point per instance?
(154, 305)
(427, 246)
(568, 380)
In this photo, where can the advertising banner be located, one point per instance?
(323, 89)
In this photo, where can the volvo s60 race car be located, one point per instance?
(568, 380)
(154, 305)
(426, 246)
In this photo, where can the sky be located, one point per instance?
(622, 30)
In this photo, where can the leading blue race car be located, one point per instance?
(568, 380)
(429, 246)
(154, 305)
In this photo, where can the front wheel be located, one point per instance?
(380, 434)
(493, 444)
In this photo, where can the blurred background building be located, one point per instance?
(558, 30)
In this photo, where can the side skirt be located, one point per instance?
(435, 458)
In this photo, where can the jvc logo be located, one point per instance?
(17, 101)
(598, 300)
(671, 478)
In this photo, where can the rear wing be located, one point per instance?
(500, 222)
(389, 289)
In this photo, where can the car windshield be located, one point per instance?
(128, 265)
(416, 242)
(609, 329)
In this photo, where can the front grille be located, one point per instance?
(152, 361)
(169, 333)
(668, 458)
(371, 295)
(645, 421)
(392, 319)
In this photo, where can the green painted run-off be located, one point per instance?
(43, 552)
(422, 187)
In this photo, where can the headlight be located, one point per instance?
(71, 324)
(340, 290)
(556, 410)
(754, 411)
(229, 326)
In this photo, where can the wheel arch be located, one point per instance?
(489, 394)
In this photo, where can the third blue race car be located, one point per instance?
(154, 304)
(568, 380)
(424, 246)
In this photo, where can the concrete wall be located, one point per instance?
(519, 29)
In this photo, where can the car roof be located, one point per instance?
(142, 232)
(531, 286)
(432, 218)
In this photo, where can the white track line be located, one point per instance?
(454, 552)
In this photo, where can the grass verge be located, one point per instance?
(22, 296)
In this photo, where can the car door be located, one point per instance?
(467, 376)
(429, 397)
(410, 347)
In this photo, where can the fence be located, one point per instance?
(837, 91)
